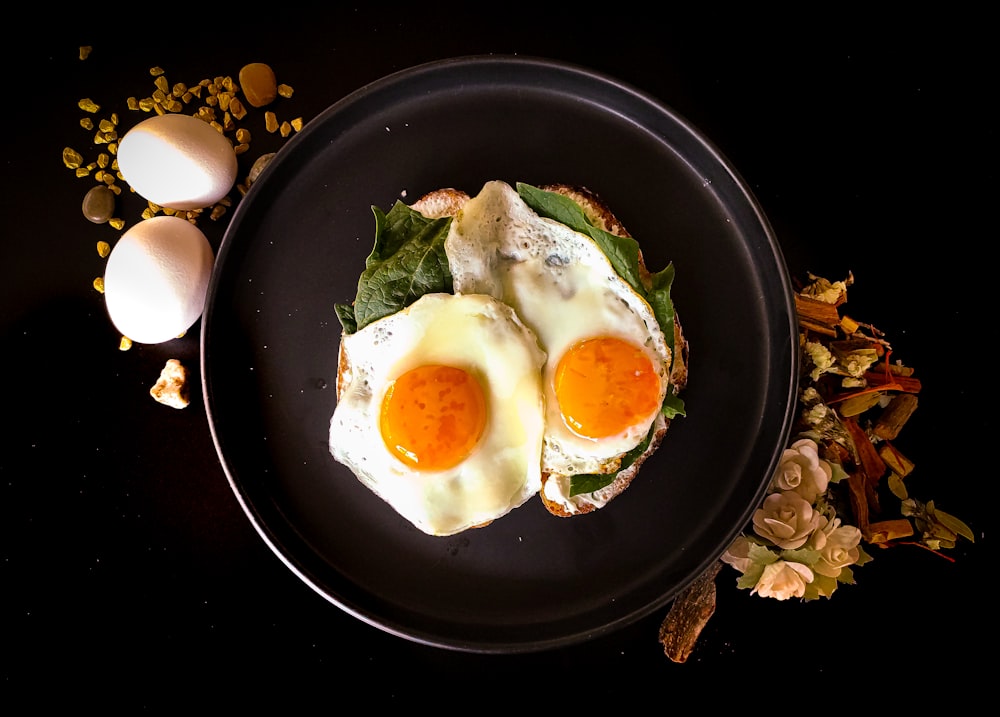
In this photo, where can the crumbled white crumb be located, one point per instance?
(171, 387)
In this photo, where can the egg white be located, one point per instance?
(483, 336)
(563, 287)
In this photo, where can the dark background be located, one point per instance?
(131, 576)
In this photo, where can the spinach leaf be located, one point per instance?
(590, 482)
(622, 252)
(407, 261)
(345, 312)
(673, 406)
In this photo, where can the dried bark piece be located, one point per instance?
(819, 316)
(896, 461)
(885, 531)
(688, 615)
(895, 416)
(859, 495)
(870, 461)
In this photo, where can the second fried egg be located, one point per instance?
(607, 368)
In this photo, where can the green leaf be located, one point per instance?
(590, 482)
(760, 553)
(863, 557)
(345, 313)
(622, 252)
(407, 261)
(673, 406)
(801, 555)
(955, 525)
(760, 556)
(822, 586)
(749, 579)
(658, 297)
(839, 473)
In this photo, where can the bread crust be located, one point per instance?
(441, 203)
(447, 202)
(594, 208)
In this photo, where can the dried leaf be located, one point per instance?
(896, 485)
(858, 404)
(955, 525)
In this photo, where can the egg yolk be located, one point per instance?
(605, 385)
(433, 416)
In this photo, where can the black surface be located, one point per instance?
(131, 575)
(270, 343)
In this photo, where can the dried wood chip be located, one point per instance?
(819, 315)
(870, 461)
(895, 416)
(885, 530)
(899, 463)
(688, 615)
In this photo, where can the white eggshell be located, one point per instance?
(156, 279)
(177, 161)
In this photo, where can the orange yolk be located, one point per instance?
(605, 385)
(433, 416)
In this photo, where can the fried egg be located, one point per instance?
(607, 366)
(440, 411)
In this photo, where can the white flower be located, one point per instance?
(738, 554)
(837, 546)
(857, 362)
(786, 519)
(821, 357)
(783, 579)
(802, 470)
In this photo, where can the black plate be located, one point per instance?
(296, 246)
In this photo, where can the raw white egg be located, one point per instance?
(156, 279)
(606, 374)
(440, 413)
(177, 161)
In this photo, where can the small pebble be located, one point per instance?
(258, 167)
(258, 84)
(99, 204)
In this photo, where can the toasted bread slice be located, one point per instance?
(600, 215)
(447, 202)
